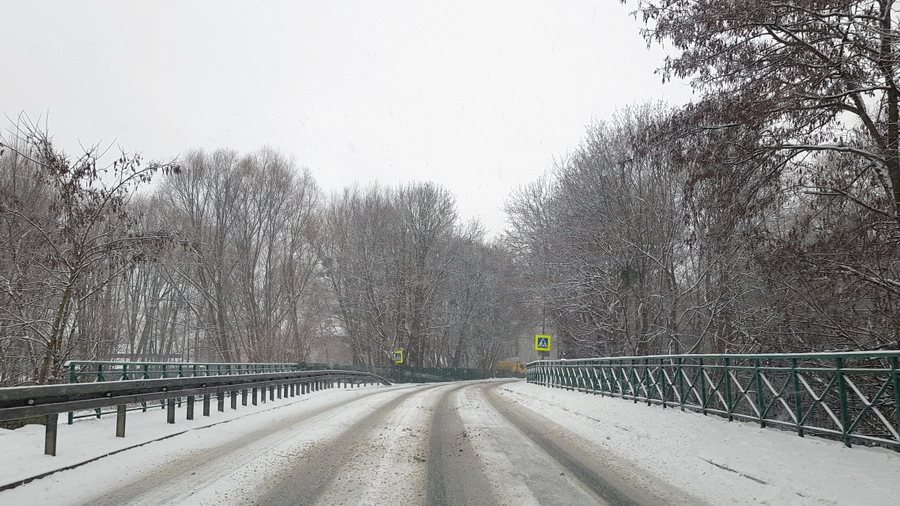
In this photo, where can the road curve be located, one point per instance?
(436, 444)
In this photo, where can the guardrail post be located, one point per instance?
(234, 399)
(50, 434)
(244, 397)
(255, 395)
(220, 398)
(279, 387)
(206, 400)
(190, 407)
(170, 410)
(120, 420)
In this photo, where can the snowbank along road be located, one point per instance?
(470, 443)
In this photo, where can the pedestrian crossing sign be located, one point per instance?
(398, 357)
(542, 343)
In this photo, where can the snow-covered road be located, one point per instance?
(493, 442)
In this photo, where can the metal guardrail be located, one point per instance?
(81, 371)
(50, 400)
(91, 370)
(847, 396)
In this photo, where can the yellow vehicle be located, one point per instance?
(511, 366)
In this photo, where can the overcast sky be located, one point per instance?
(479, 96)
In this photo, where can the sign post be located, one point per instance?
(543, 344)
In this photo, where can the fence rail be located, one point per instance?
(853, 397)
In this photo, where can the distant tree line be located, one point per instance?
(762, 217)
(236, 258)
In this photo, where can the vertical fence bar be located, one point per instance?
(663, 383)
(72, 379)
(726, 377)
(681, 383)
(798, 400)
(842, 392)
(895, 376)
(760, 399)
(702, 374)
(646, 380)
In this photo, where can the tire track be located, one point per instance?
(315, 469)
(177, 478)
(614, 481)
(455, 473)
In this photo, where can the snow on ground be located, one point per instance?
(707, 456)
(721, 461)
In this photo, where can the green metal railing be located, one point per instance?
(90, 370)
(847, 396)
(406, 374)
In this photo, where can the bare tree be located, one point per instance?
(77, 238)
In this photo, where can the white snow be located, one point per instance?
(706, 456)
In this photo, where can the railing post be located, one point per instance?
(702, 374)
(895, 376)
(170, 410)
(206, 401)
(760, 397)
(842, 392)
(798, 400)
(727, 378)
(234, 399)
(72, 379)
(220, 398)
(190, 407)
(646, 379)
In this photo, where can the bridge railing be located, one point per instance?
(853, 397)
(81, 371)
